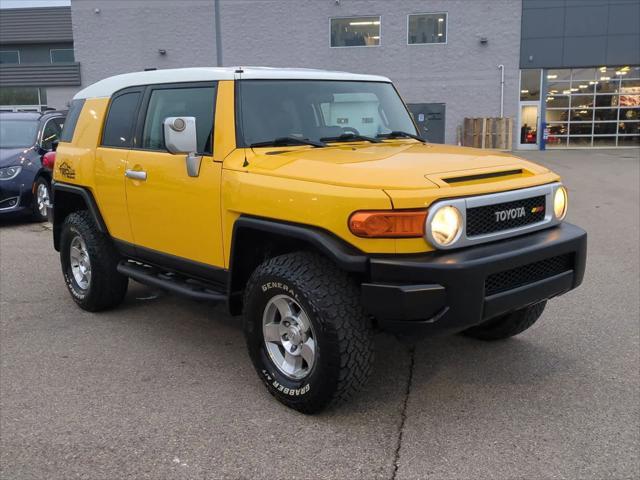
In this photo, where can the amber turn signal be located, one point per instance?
(388, 224)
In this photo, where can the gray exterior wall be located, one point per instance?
(580, 33)
(126, 35)
(35, 25)
(60, 97)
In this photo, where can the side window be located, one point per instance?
(198, 102)
(51, 132)
(72, 120)
(118, 129)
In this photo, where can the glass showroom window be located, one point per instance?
(427, 28)
(530, 85)
(62, 55)
(597, 107)
(355, 32)
(9, 56)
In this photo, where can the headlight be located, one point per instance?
(446, 225)
(560, 201)
(10, 173)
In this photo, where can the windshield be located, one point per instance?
(17, 133)
(318, 110)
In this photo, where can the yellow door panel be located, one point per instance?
(172, 212)
(109, 167)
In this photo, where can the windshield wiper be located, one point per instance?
(284, 141)
(347, 137)
(401, 134)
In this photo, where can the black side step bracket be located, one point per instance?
(171, 282)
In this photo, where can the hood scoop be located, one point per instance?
(483, 176)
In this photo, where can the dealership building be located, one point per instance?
(566, 71)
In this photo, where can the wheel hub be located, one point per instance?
(80, 263)
(42, 199)
(288, 337)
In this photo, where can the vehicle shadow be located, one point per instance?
(15, 221)
(431, 363)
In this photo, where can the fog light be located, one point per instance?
(446, 225)
(560, 201)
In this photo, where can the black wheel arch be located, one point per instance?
(257, 239)
(67, 199)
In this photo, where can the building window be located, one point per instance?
(62, 55)
(427, 28)
(530, 85)
(23, 96)
(355, 32)
(9, 56)
(597, 107)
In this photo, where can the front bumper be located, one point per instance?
(15, 198)
(446, 292)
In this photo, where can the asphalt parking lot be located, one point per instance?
(163, 388)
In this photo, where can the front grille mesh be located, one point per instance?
(533, 272)
(482, 220)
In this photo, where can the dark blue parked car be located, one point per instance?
(25, 183)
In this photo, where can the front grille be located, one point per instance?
(533, 272)
(492, 218)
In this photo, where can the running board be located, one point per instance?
(171, 282)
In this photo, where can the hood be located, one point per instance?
(390, 165)
(13, 156)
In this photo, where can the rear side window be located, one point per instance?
(198, 102)
(118, 130)
(71, 120)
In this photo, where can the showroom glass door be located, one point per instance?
(529, 125)
(529, 113)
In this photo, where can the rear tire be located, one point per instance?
(321, 303)
(89, 262)
(507, 325)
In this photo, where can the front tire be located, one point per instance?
(507, 325)
(308, 337)
(41, 199)
(89, 261)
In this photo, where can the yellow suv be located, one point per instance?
(306, 201)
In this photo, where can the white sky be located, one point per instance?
(33, 3)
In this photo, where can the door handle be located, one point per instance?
(136, 174)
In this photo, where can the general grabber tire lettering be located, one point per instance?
(89, 262)
(507, 325)
(318, 295)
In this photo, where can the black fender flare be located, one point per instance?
(344, 255)
(88, 199)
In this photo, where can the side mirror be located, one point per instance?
(180, 138)
(54, 145)
(180, 134)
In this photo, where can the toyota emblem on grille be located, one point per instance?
(511, 213)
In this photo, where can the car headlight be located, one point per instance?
(446, 225)
(560, 203)
(9, 173)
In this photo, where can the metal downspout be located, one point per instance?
(216, 12)
(501, 67)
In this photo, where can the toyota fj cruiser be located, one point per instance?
(307, 202)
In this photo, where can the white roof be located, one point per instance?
(108, 86)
